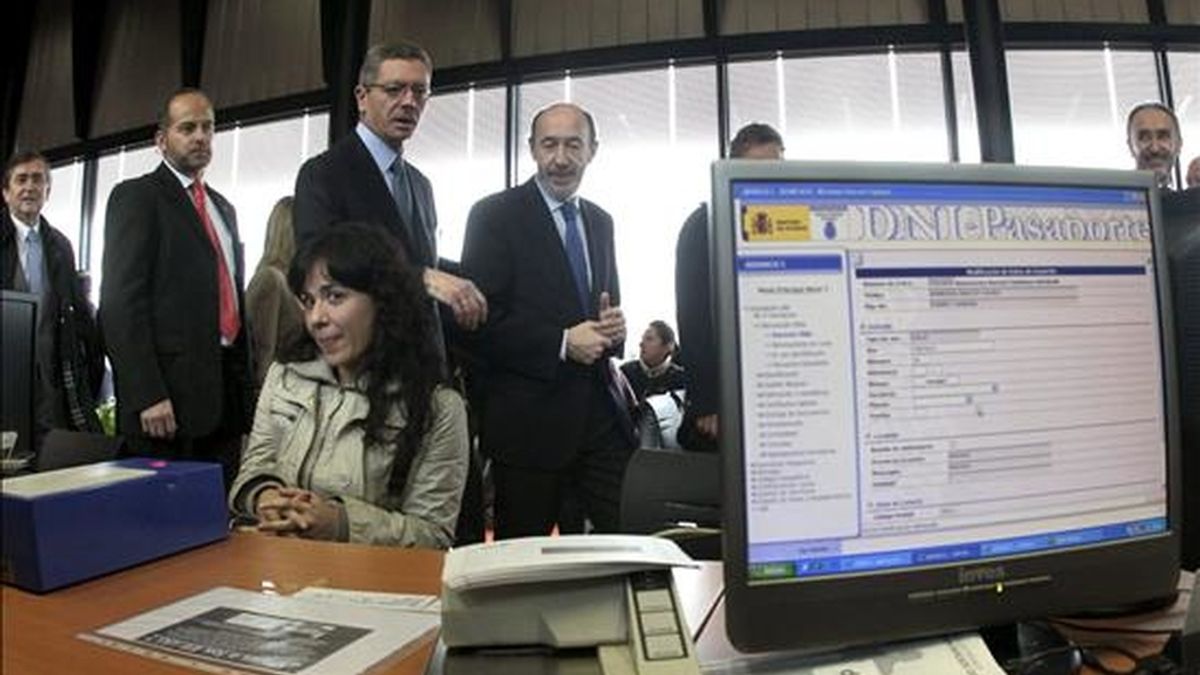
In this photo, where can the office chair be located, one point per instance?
(674, 494)
(61, 449)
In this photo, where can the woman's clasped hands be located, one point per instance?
(295, 512)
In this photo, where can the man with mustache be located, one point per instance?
(171, 300)
(365, 177)
(554, 429)
(1152, 131)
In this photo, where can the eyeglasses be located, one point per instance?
(396, 90)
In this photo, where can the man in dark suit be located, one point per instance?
(694, 305)
(171, 300)
(37, 258)
(365, 177)
(544, 258)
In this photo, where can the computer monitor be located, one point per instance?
(19, 312)
(947, 398)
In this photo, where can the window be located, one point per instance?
(1069, 107)
(868, 107)
(657, 132)
(1185, 87)
(964, 108)
(251, 166)
(65, 204)
(256, 165)
(459, 146)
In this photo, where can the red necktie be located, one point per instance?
(228, 310)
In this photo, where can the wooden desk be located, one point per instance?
(39, 630)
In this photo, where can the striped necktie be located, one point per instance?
(573, 242)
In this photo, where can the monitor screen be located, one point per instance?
(950, 394)
(18, 343)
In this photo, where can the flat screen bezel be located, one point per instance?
(835, 612)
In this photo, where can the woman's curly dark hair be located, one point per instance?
(402, 351)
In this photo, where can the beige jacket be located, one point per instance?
(308, 433)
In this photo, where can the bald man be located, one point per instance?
(171, 301)
(544, 258)
(1152, 131)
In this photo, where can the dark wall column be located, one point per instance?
(86, 16)
(344, 25)
(1158, 18)
(937, 17)
(193, 23)
(712, 33)
(512, 95)
(985, 45)
(14, 59)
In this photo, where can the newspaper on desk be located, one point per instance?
(964, 654)
(229, 629)
(393, 601)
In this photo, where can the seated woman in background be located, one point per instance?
(354, 439)
(272, 311)
(654, 372)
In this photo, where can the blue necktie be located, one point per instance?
(33, 262)
(401, 191)
(406, 205)
(573, 241)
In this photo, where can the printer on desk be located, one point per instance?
(612, 592)
(65, 526)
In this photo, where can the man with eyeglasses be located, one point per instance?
(365, 176)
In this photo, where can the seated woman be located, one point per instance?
(353, 438)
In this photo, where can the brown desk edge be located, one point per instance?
(39, 630)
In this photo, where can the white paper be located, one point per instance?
(74, 478)
(964, 654)
(350, 598)
(242, 629)
(529, 559)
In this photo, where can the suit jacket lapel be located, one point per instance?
(422, 201)
(176, 192)
(183, 201)
(597, 252)
(377, 192)
(11, 274)
(545, 237)
(229, 215)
